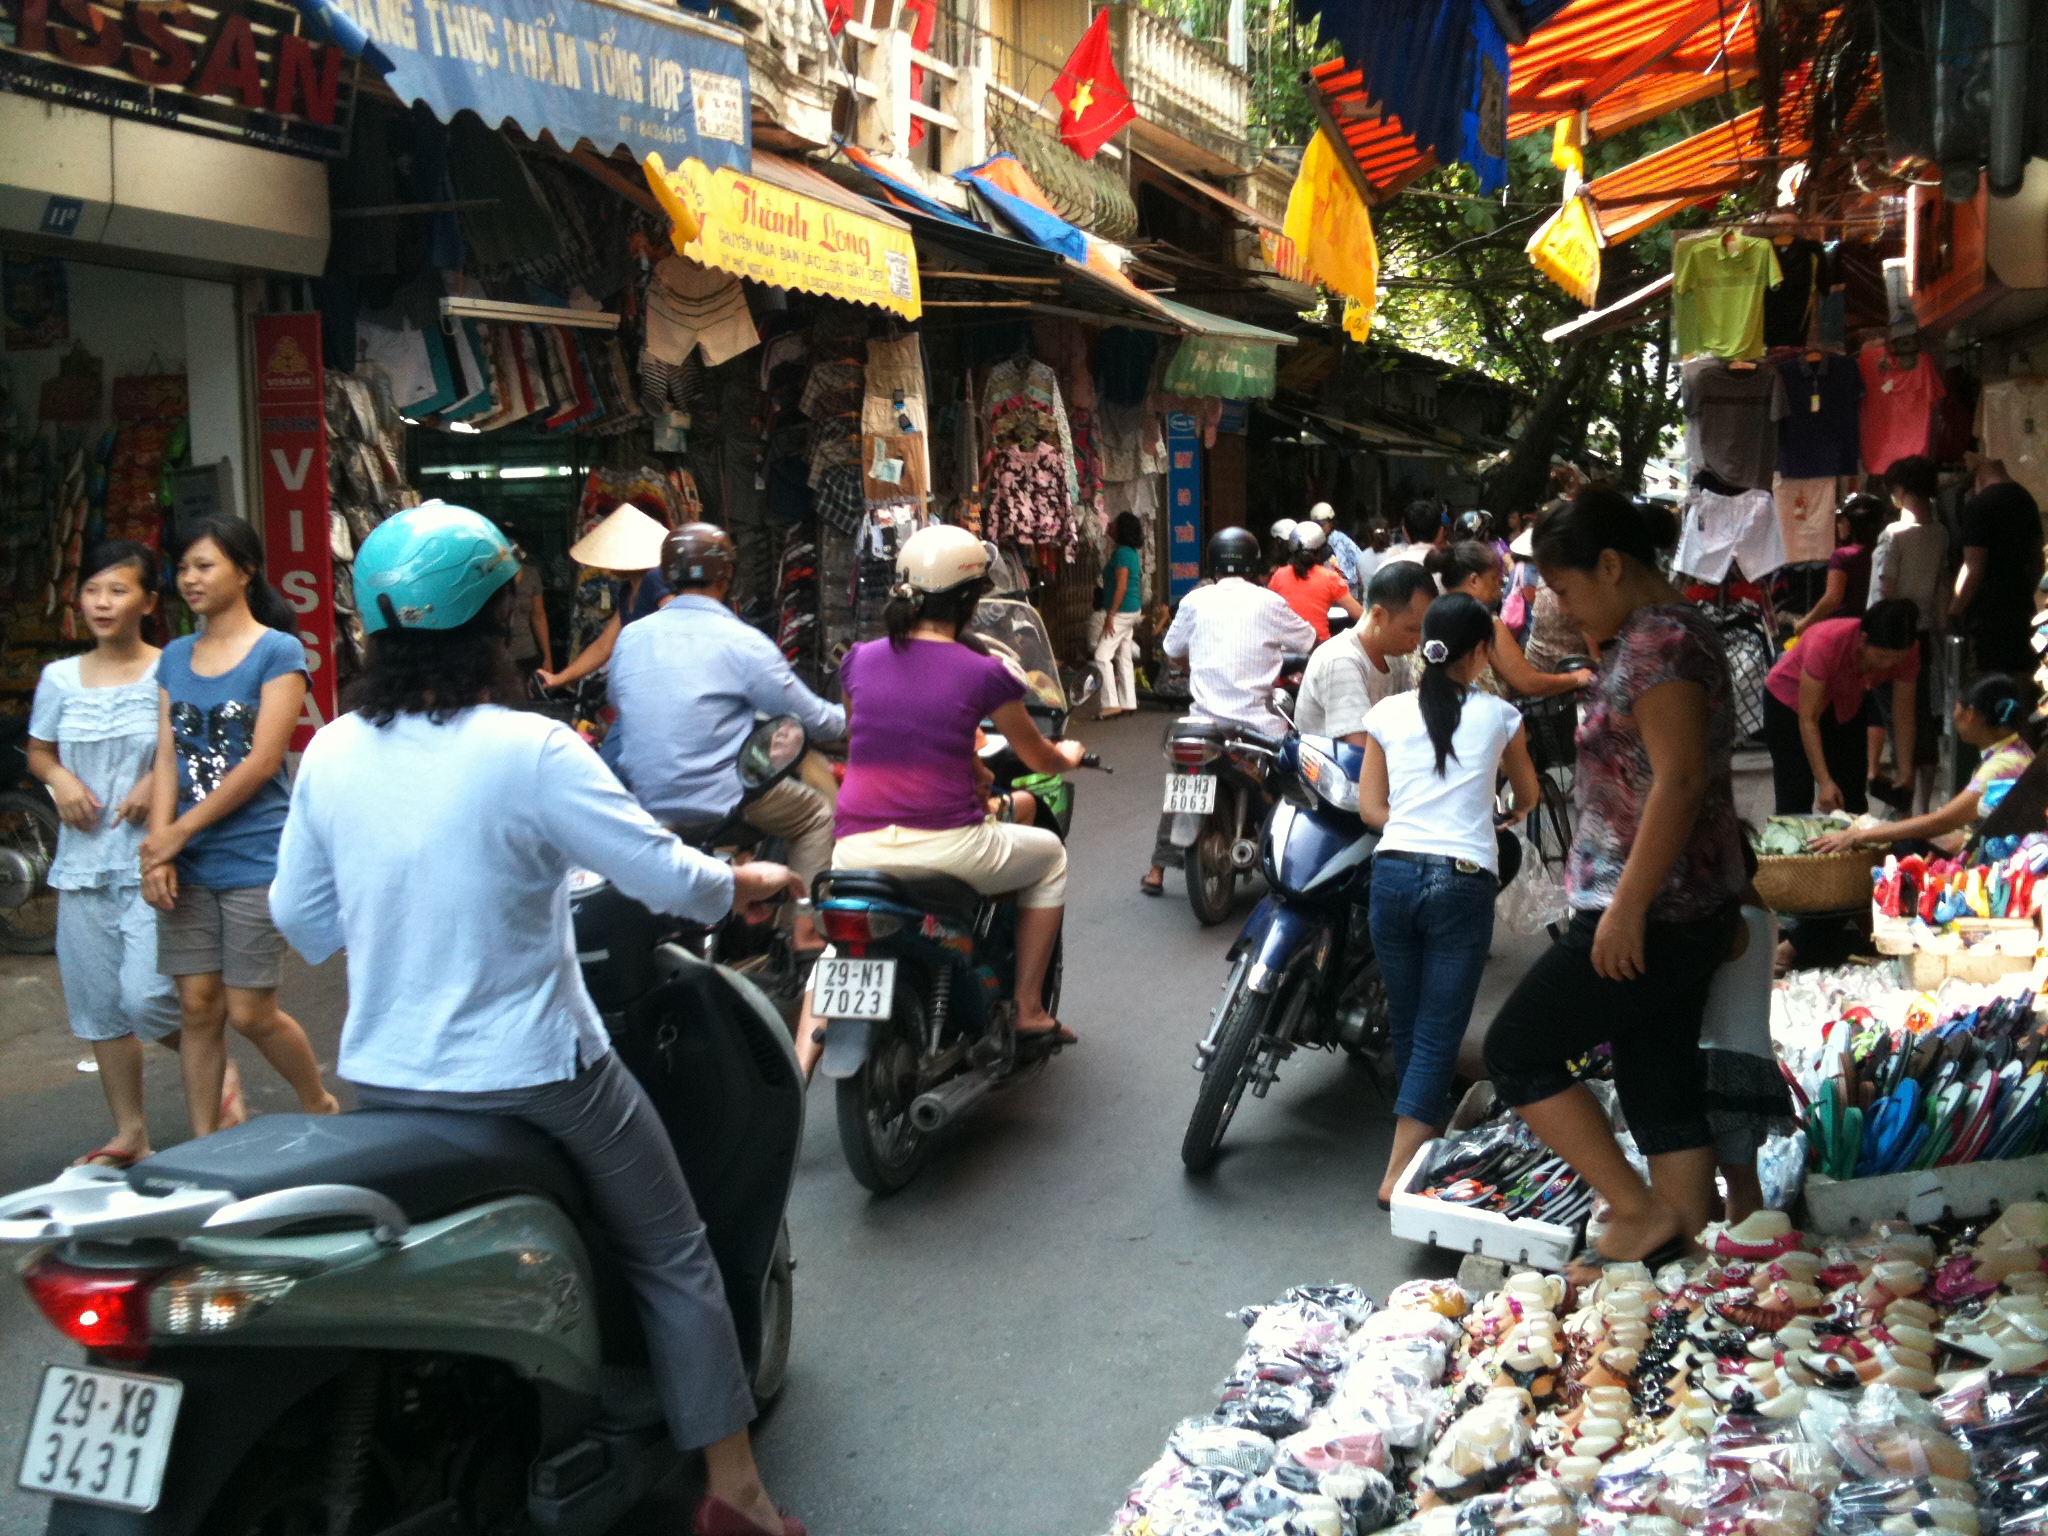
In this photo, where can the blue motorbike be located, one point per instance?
(1302, 971)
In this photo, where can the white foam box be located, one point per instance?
(1462, 1229)
(1844, 1207)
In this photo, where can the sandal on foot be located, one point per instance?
(109, 1156)
(1152, 888)
(1592, 1261)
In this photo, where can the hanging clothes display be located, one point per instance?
(1731, 419)
(1724, 530)
(2012, 425)
(1898, 405)
(1718, 283)
(691, 307)
(895, 430)
(1821, 433)
(1806, 518)
(1029, 468)
(1791, 310)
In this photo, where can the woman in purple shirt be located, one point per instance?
(911, 800)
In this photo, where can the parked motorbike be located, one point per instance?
(28, 846)
(405, 1321)
(1216, 779)
(915, 986)
(1302, 970)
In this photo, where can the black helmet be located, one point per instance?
(1235, 552)
(696, 555)
(1473, 525)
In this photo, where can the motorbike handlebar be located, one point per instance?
(1094, 760)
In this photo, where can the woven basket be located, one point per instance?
(1814, 882)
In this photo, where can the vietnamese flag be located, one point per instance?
(1093, 101)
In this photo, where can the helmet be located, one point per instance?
(1234, 552)
(940, 558)
(696, 555)
(1473, 525)
(1309, 537)
(433, 566)
(1322, 512)
(1283, 529)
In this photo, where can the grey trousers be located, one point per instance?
(604, 1120)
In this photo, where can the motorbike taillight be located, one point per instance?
(1191, 752)
(103, 1309)
(856, 925)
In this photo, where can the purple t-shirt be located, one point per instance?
(911, 716)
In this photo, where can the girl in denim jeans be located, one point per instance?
(1428, 783)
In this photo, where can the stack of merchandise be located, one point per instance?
(1774, 1387)
(365, 483)
(1937, 893)
(150, 436)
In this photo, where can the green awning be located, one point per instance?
(1232, 359)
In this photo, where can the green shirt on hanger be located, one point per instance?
(1718, 283)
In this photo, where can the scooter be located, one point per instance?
(1216, 779)
(916, 983)
(28, 846)
(405, 1321)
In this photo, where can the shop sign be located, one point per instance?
(233, 69)
(1567, 251)
(292, 440)
(648, 77)
(768, 233)
(1183, 505)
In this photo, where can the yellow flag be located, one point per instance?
(1568, 145)
(1567, 251)
(1329, 225)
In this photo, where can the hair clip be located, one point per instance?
(1435, 652)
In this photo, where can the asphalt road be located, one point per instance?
(1003, 1346)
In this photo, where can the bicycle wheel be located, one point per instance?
(1550, 824)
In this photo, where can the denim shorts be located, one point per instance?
(224, 933)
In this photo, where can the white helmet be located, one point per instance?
(1283, 530)
(1307, 536)
(940, 558)
(1322, 512)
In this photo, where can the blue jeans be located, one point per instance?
(1432, 925)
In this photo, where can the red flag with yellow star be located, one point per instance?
(1093, 101)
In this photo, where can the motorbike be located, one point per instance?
(1216, 779)
(1302, 970)
(915, 983)
(406, 1321)
(28, 846)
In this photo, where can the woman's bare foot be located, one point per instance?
(1038, 1023)
(233, 1110)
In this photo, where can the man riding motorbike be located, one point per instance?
(1351, 672)
(431, 835)
(1235, 636)
(686, 681)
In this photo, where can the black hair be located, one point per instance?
(1596, 520)
(1893, 624)
(237, 540)
(1376, 527)
(1460, 625)
(1866, 517)
(1422, 521)
(954, 606)
(110, 553)
(438, 672)
(1915, 475)
(1128, 531)
(1394, 585)
(1304, 560)
(2000, 700)
(1456, 564)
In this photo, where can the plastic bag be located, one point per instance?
(1781, 1169)
(1534, 899)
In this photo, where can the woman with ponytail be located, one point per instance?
(230, 696)
(1992, 718)
(1431, 762)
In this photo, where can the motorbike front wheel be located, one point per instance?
(1224, 1078)
(884, 1149)
(1211, 880)
(778, 1312)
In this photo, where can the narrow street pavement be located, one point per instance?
(1003, 1346)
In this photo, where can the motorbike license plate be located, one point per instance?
(1190, 794)
(853, 989)
(101, 1437)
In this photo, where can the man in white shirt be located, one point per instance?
(1235, 636)
(1351, 672)
(1423, 523)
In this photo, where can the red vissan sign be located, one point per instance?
(292, 432)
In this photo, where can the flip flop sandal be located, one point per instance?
(109, 1156)
(1151, 889)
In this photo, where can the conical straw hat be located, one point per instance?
(628, 540)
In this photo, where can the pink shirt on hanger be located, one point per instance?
(1898, 406)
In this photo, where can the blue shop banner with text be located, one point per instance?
(1183, 505)
(615, 72)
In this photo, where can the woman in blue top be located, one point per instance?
(230, 697)
(1123, 599)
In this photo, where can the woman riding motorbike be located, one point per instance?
(431, 834)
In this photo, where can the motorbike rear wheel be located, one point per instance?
(1224, 1078)
(28, 832)
(1211, 880)
(884, 1150)
(778, 1312)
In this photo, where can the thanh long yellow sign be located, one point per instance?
(758, 230)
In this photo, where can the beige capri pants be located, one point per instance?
(994, 857)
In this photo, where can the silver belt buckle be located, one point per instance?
(1466, 866)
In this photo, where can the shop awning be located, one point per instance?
(785, 225)
(975, 273)
(1237, 208)
(1364, 432)
(1232, 359)
(1651, 301)
(1725, 158)
(619, 73)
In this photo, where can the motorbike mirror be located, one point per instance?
(771, 751)
(1089, 689)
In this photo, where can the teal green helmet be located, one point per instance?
(432, 566)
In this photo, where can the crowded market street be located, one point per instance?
(1001, 1346)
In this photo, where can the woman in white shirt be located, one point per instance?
(1428, 784)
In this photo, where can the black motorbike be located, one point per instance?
(1216, 778)
(28, 846)
(1302, 970)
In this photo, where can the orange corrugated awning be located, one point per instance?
(1702, 169)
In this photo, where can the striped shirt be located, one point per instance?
(1235, 637)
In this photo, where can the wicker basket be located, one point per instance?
(1832, 882)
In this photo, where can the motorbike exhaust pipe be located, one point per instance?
(941, 1106)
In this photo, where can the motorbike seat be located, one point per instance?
(1202, 728)
(924, 889)
(428, 1161)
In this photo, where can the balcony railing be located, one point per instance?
(1180, 85)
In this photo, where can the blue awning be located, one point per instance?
(620, 73)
